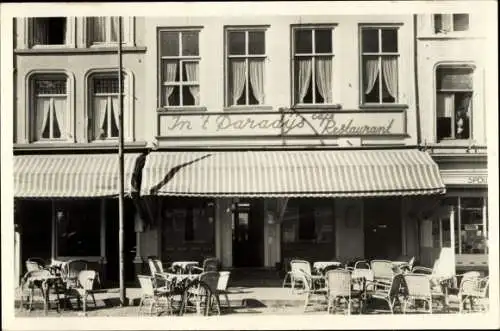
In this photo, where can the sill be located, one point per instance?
(454, 142)
(379, 106)
(181, 109)
(75, 147)
(67, 50)
(322, 106)
(248, 108)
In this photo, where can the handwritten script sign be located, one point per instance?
(287, 124)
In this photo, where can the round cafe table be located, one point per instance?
(183, 265)
(321, 265)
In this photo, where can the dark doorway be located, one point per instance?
(112, 243)
(382, 228)
(248, 233)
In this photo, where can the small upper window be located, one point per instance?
(444, 23)
(454, 102)
(49, 31)
(104, 29)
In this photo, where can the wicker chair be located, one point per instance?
(209, 264)
(418, 287)
(389, 291)
(34, 263)
(157, 271)
(383, 270)
(301, 274)
(474, 290)
(71, 271)
(87, 284)
(222, 286)
(156, 297)
(203, 294)
(338, 289)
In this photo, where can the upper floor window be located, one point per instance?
(313, 65)
(379, 47)
(104, 113)
(50, 106)
(179, 66)
(49, 31)
(246, 55)
(444, 23)
(103, 29)
(454, 93)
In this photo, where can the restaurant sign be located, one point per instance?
(339, 123)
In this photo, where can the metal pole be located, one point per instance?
(120, 162)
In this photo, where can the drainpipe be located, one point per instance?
(415, 79)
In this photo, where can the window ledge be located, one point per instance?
(378, 106)
(163, 110)
(318, 106)
(454, 142)
(248, 108)
(67, 50)
(65, 146)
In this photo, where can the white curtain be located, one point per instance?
(59, 112)
(390, 73)
(324, 78)
(100, 113)
(371, 73)
(192, 76)
(98, 26)
(114, 28)
(256, 68)
(238, 69)
(304, 77)
(115, 109)
(169, 73)
(42, 115)
(446, 20)
(445, 105)
(40, 35)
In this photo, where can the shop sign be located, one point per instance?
(345, 123)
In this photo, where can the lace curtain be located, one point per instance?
(390, 73)
(169, 73)
(50, 112)
(371, 73)
(100, 113)
(98, 28)
(324, 78)
(192, 76)
(43, 106)
(304, 77)
(238, 69)
(256, 68)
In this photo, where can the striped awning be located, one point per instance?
(70, 175)
(291, 173)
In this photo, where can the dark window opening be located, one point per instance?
(307, 229)
(49, 31)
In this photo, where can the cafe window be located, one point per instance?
(245, 58)
(380, 57)
(313, 60)
(454, 95)
(193, 223)
(303, 222)
(179, 68)
(78, 228)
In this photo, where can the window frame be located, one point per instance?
(68, 134)
(472, 68)
(128, 26)
(70, 39)
(313, 55)
(379, 54)
(128, 103)
(452, 24)
(247, 57)
(180, 60)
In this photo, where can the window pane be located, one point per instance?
(371, 82)
(472, 232)
(170, 71)
(169, 41)
(438, 23)
(190, 71)
(444, 111)
(97, 28)
(307, 223)
(303, 41)
(106, 85)
(460, 22)
(187, 96)
(370, 40)
(49, 31)
(115, 21)
(50, 86)
(323, 40)
(236, 42)
(174, 98)
(256, 42)
(190, 43)
(389, 40)
(454, 78)
(462, 115)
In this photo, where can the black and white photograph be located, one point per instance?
(252, 164)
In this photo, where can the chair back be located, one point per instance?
(73, 268)
(298, 266)
(211, 264)
(382, 269)
(470, 275)
(33, 266)
(223, 280)
(367, 274)
(361, 264)
(88, 279)
(474, 286)
(155, 266)
(418, 285)
(147, 286)
(211, 278)
(338, 283)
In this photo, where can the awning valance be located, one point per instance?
(324, 173)
(70, 175)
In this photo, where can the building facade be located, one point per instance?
(452, 77)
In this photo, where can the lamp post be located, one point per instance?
(121, 168)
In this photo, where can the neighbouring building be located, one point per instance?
(452, 77)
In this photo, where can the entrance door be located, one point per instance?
(248, 230)
(382, 228)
